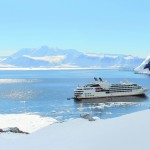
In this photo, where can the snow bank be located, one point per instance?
(129, 132)
(25, 122)
(141, 68)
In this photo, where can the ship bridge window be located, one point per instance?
(92, 85)
(95, 85)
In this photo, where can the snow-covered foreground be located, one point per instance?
(129, 132)
(25, 122)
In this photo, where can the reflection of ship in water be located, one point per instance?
(112, 107)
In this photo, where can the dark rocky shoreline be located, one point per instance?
(12, 130)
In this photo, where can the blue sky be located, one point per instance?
(98, 26)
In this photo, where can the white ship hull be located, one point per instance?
(102, 89)
(117, 94)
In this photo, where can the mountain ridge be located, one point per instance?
(54, 57)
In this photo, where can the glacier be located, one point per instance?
(144, 67)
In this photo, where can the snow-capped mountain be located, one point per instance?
(52, 57)
(144, 67)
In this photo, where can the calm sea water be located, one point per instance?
(46, 92)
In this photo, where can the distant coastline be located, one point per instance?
(61, 68)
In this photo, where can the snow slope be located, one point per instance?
(129, 132)
(54, 57)
(25, 122)
(144, 67)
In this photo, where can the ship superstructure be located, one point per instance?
(101, 88)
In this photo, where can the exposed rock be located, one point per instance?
(13, 130)
(16, 130)
(88, 117)
(147, 66)
(1, 131)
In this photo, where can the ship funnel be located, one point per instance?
(100, 79)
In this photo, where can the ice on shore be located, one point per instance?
(129, 132)
(25, 122)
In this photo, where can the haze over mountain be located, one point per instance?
(144, 67)
(53, 57)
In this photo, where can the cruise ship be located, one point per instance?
(101, 88)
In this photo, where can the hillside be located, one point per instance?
(52, 57)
